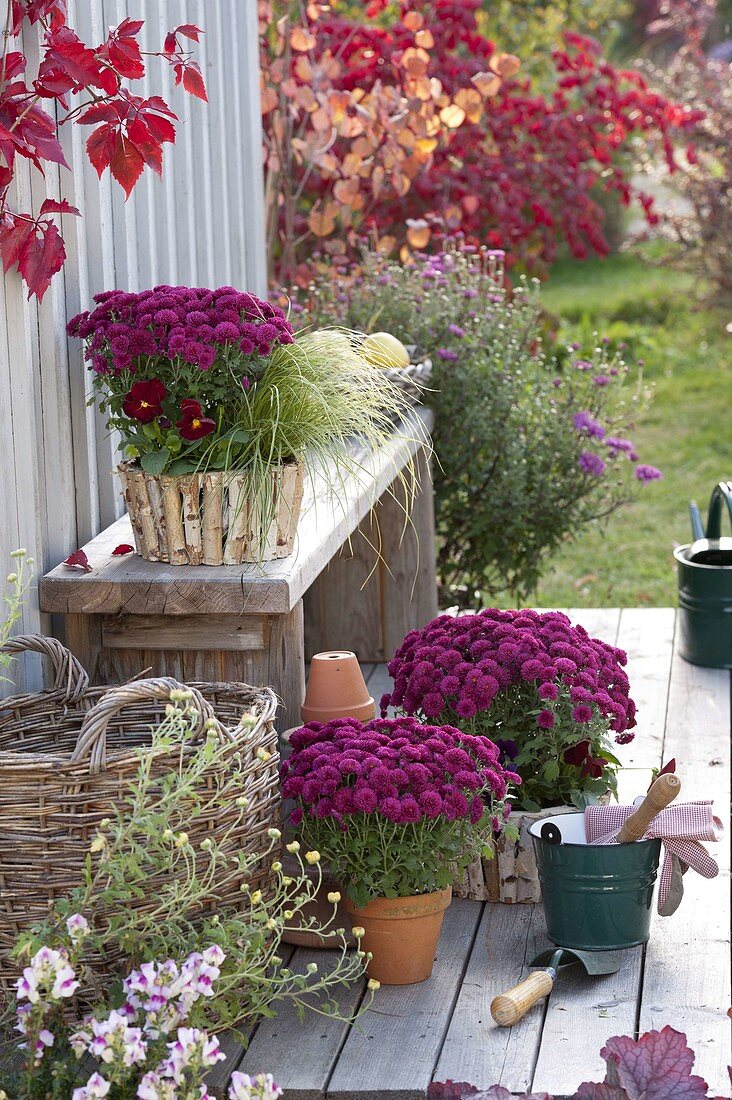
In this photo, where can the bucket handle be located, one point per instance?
(721, 492)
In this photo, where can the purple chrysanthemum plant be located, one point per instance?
(550, 696)
(394, 805)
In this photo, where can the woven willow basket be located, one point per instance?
(68, 754)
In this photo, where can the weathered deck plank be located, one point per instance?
(687, 979)
(395, 1045)
(475, 1049)
(301, 1054)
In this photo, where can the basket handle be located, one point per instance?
(92, 740)
(70, 675)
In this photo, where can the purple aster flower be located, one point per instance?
(591, 464)
(448, 354)
(647, 473)
(585, 422)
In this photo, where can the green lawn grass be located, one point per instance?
(686, 432)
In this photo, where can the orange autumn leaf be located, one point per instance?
(471, 102)
(268, 99)
(488, 84)
(452, 116)
(504, 64)
(470, 204)
(415, 61)
(349, 194)
(413, 21)
(322, 222)
(418, 232)
(385, 245)
(452, 215)
(301, 39)
(424, 39)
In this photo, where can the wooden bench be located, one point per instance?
(356, 577)
(442, 1028)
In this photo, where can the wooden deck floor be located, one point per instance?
(442, 1028)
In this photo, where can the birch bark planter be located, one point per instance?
(208, 518)
(402, 935)
(512, 876)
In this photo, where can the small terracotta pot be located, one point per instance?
(402, 935)
(336, 689)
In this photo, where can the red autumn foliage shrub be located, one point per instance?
(129, 130)
(519, 170)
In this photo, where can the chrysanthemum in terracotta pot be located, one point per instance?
(550, 696)
(392, 806)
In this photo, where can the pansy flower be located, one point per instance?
(144, 401)
(193, 424)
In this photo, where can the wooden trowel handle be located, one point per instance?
(661, 794)
(508, 1008)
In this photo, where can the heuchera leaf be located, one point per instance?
(656, 1067)
(450, 1090)
(589, 1091)
(78, 560)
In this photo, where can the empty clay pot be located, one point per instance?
(336, 689)
(402, 935)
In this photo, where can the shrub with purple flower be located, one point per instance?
(536, 684)
(392, 805)
(529, 434)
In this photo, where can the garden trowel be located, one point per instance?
(508, 1008)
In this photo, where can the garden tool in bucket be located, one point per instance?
(597, 899)
(705, 586)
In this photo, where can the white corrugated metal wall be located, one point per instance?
(202, 225)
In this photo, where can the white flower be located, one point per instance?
(77, 927)
(49, 974)
(114, 1041)
(261, 1087)
(154, 1087)
(192, 1048)
(95, 1087)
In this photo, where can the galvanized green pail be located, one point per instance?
(596, 897)
(704, 570)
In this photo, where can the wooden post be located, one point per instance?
(382, 584)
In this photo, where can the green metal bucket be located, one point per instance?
(704, 570)
(596, 897)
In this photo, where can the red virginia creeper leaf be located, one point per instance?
(170, 45)
(126, 164)
(58, 206)
(189, 30)
(130, 27)
(98, 112)
(67, 52)
(189, 74)
(15, 64)
(123, 548)
(42, 256)
(122, 52)
(100, 146)
(78, 560)
(13, 236)
(149, 147)
(655, 1067)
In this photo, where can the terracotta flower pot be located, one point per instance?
(402, 935)
(336, 689)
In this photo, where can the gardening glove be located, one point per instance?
(680, 829)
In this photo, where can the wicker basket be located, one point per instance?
(68, 754)
(412, 380)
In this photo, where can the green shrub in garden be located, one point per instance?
(530, 446)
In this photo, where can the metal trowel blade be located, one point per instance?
(594, 962)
